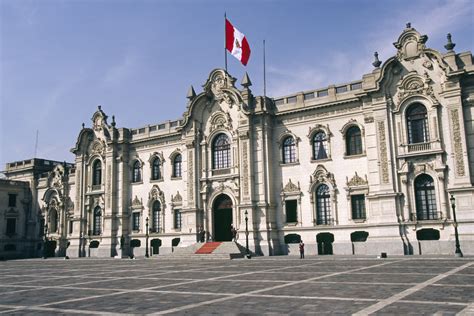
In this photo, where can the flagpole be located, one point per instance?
(225, 41)
(264, 77)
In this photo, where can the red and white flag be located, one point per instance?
(236, 43)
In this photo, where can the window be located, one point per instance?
(11, 226)
(137, 172)
(53, 221)
(417, 124)
(97, 173)
(320, 146)
(358, 206)
(155, 169)
(353, 141)
(71, 226)
(289, 150)
(96, 225)
(136, 221)
(221, 152)
(11, 200)
(425, 198)
(156, 209)
(177, 166)
(323, 206)
(177, 219)
(291, 207)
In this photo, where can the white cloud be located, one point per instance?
(120, 72)
(341, 67)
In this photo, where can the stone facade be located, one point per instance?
(358, 168)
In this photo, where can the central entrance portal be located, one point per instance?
(222, 215)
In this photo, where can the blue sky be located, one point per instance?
(60, 59)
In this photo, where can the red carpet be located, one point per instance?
(208, 247)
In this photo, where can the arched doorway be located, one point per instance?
(222, 218)
(324, 241)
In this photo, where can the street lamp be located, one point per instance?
(458, 252)
(45, 241)
(247, 252)
(146, 243)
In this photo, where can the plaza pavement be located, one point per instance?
(266, 285)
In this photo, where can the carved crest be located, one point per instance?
(321, 175)
(156, 194)
(356, 180)
(291, 187)
(97, 147)
(177, 199)
(137, 203)
(56, 177)
(221, 120)
(414, 84)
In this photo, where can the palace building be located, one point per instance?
(374, 165)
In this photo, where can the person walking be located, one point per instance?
(301, 249)
(234, 232)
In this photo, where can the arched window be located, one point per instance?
(97, 172)
(137, 172)
(289, 150)
(53, 220)
(320, 146)
(353, 141)
(221, 152)
(155, 169)
(156, 215)
(177, 166)
(323, 206)
(96, 229)
(425, 198)
(417, 124)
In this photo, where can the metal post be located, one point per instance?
(247, 252)
(458, 252)
(146, 250)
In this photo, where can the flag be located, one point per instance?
(236, 43)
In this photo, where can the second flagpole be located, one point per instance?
(225, 40)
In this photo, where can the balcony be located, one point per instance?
(417, 149)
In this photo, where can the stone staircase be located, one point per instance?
(225, 250)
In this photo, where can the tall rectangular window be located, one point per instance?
(11, 226)
(71, 226)
(11, 200)
(358, 206)
(291, 207)
(177, 219)
(136, 221)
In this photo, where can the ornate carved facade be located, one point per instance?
(381, 155)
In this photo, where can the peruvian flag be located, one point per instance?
(236, 43)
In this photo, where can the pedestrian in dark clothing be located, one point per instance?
(234, 232)
(301, 250)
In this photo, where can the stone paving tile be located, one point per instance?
(249, 305)
(42, 296)
(457, 279)
(420, 269)
(405, 308)
(4, 288)
(15, 279)
(195, 275)
(368, 291)
(278, 276)
(35, 312)
(378, 278)
(468, 270)
(62, 281)
(124, 284)
(222, 286)
(144, 302)
(443, 294)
